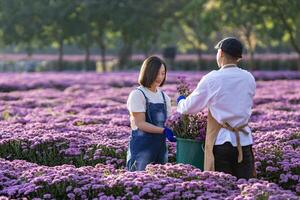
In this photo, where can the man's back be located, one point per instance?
(233, 99)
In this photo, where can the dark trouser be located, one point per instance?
(226, 157)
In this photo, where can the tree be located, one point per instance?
(101, 25)
(198, 22)
(21, 24)
(242, 18)
(152, 20)
(285, 18)
(95, 22)
(83, 34)
(59, 23)
(141, 26)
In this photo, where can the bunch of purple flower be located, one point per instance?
(188, 126)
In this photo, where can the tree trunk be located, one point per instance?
(251, 60)
(298, 65)
(103, 55)
(124, 55)
(125, 51)
(146, 53)
(247, 35)
(29, 50)
(61, 53)
(87, 58)
(199, 59)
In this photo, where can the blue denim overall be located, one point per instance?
(145, 148)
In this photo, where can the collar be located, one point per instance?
(228, 66)
(147, 89)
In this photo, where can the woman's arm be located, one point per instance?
(140, 122)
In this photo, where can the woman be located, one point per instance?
(149, 108)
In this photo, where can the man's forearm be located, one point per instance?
(181, 107)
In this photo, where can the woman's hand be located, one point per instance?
(169, 134)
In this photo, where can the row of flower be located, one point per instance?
(81, 119)
(22, 179)
(24, 81)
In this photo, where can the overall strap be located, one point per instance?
(147, 104)
(144, 95)
(165, 104)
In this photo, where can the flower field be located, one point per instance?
(65, 136)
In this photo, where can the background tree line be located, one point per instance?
(125, 27)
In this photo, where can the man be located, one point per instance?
(228, 94)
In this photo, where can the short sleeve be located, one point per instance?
(136, 102)
(169, 107)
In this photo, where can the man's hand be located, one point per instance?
(180, 98)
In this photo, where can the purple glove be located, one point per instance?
(169, 134)
(180, 98)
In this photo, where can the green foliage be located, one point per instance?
(6, 115)
(51, 153)
(128, 26)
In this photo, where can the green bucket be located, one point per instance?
(190, 152)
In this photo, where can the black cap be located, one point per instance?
(231, 46)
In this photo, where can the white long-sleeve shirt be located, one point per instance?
(228, 93)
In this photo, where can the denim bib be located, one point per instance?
(145, 148)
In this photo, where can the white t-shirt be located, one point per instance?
(228, 93)
(137, 103)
